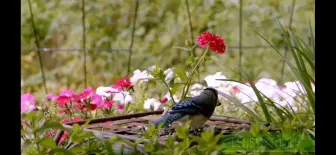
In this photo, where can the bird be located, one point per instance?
(198, 109)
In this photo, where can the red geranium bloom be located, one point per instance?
(124, 82)
(215, 42)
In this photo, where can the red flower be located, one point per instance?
(124, 82)
(86, 94)
(108, 103)
(120, 106)
(65, 97)
(215, 42)
(85, 107)
(164, 100)
(63, 100)
(63, 111)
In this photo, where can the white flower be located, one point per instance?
(138, 75)
(152, 102)
(212, 82)
(105, 91)
(176, 99)
(123, 97)
(268, 87)
(197, 86)
(296, 86)
(286, 96)
(246, 94)
(196, 89)
(169, 75)
(151, 68)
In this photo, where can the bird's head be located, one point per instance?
(215, 92)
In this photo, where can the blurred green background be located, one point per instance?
(160, 25)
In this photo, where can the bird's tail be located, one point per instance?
(168, 119)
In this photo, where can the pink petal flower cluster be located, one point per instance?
(27, 102)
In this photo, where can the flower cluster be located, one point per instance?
(215, 42)
(287, 95)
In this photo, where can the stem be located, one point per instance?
(170, 93)
(192, 72)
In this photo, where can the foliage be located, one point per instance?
(160, 25)
(283, 117)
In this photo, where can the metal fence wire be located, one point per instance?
(39, 49)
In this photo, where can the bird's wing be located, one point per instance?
(187, 107)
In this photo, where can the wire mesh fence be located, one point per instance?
(241, 48)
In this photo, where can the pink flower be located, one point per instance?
(235, 90)
(51, 97)
(68, 93)
(65, 97)
(108, 103)
(63, 100)
(164, 100)
(97, 99)
(116, 89)
(120, 106)
(27, 103)
(215, 42)
(282, 87)
(86, 94)
(124, 82)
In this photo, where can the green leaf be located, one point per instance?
(31, 115)
(80, 137)
(108, 145)
(86, 124)
(53, 125)
(48, 143)
(207, 58)
(61, 150)
(175, 88)
(76, 127)
(26, 145)
(255, 129)
(190, 60)
(181, 74)
(77, 150)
